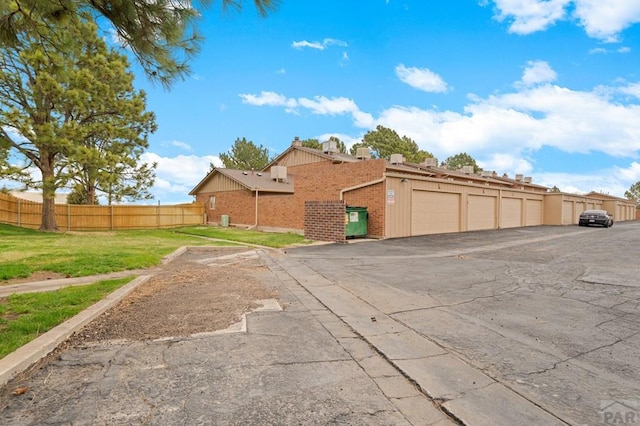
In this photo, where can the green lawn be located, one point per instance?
(23, 317)
(269, 239)
(25, 251)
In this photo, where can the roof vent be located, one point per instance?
(519, 178)
(486, 173)
(430, 162)
(278, 173)
(467, 170)
(363, 153)
(396, 159)
(527, 179)
(329, 147)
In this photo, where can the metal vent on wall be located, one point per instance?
(363, 153)
(279, 173)
(329, 147)
(396, 159)
(430, 162)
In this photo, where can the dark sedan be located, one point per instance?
(595, 217)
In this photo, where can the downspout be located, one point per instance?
(362, 185)
(256, 222)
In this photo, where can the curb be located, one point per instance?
(27, 355)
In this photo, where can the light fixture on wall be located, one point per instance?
(404, 180)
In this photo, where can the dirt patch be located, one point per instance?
(36, 276)
(201, 290)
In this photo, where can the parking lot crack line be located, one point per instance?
(581, 354)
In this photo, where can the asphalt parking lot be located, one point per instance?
(521, 326)
(549, 314)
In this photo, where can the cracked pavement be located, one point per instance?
(301, 365)
(528, 325)
(519, 326)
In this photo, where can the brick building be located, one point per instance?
(308, 190)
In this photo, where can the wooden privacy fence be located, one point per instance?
(28, 214)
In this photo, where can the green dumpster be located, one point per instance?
(356, 222)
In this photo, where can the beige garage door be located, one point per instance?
(434, 212)
(534, 213)
(511, 212)
(482, 212)
(567, 212)
(580, 207)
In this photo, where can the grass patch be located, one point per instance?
(23, 317)
(268, 239)
(25, 251)
(78, 254)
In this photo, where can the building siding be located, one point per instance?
(389, 195)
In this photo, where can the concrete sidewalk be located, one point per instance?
(464, 392)
(51, 285)
(328, 355)
(301, 365)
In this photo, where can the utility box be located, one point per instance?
(356, 220)
(224, 220)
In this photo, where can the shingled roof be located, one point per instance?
(252, 180)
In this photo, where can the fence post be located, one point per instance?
(158, 213)
(19, 211)
(111, 217)
(68, 217)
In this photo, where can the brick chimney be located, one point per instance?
(296, 142)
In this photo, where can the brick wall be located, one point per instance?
(323, 181)
(325, 220)
(373, 198)
(238, 205)
(312, 182)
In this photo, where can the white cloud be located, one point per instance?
(603, 20)
(524, 120)
(631, 89)
(176, 176)
(528, 16)
(624, 49)
(504, 130)
(328, 106)
(319, 45)
(268, 99)
(182, 145)
(421, 79)
(607, 181)
(537, 72)
(320, 105)
(606, 19)
(503, 163)
(598, 50)
(345, 58)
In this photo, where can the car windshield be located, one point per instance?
(594, 212)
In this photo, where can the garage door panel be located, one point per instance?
(534, 213)
(567, 212)
(435, 212)
(482, 213)
(511, 212)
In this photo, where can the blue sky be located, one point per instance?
(549, 89)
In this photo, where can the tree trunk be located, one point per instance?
(91, 195)
(48, 196)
